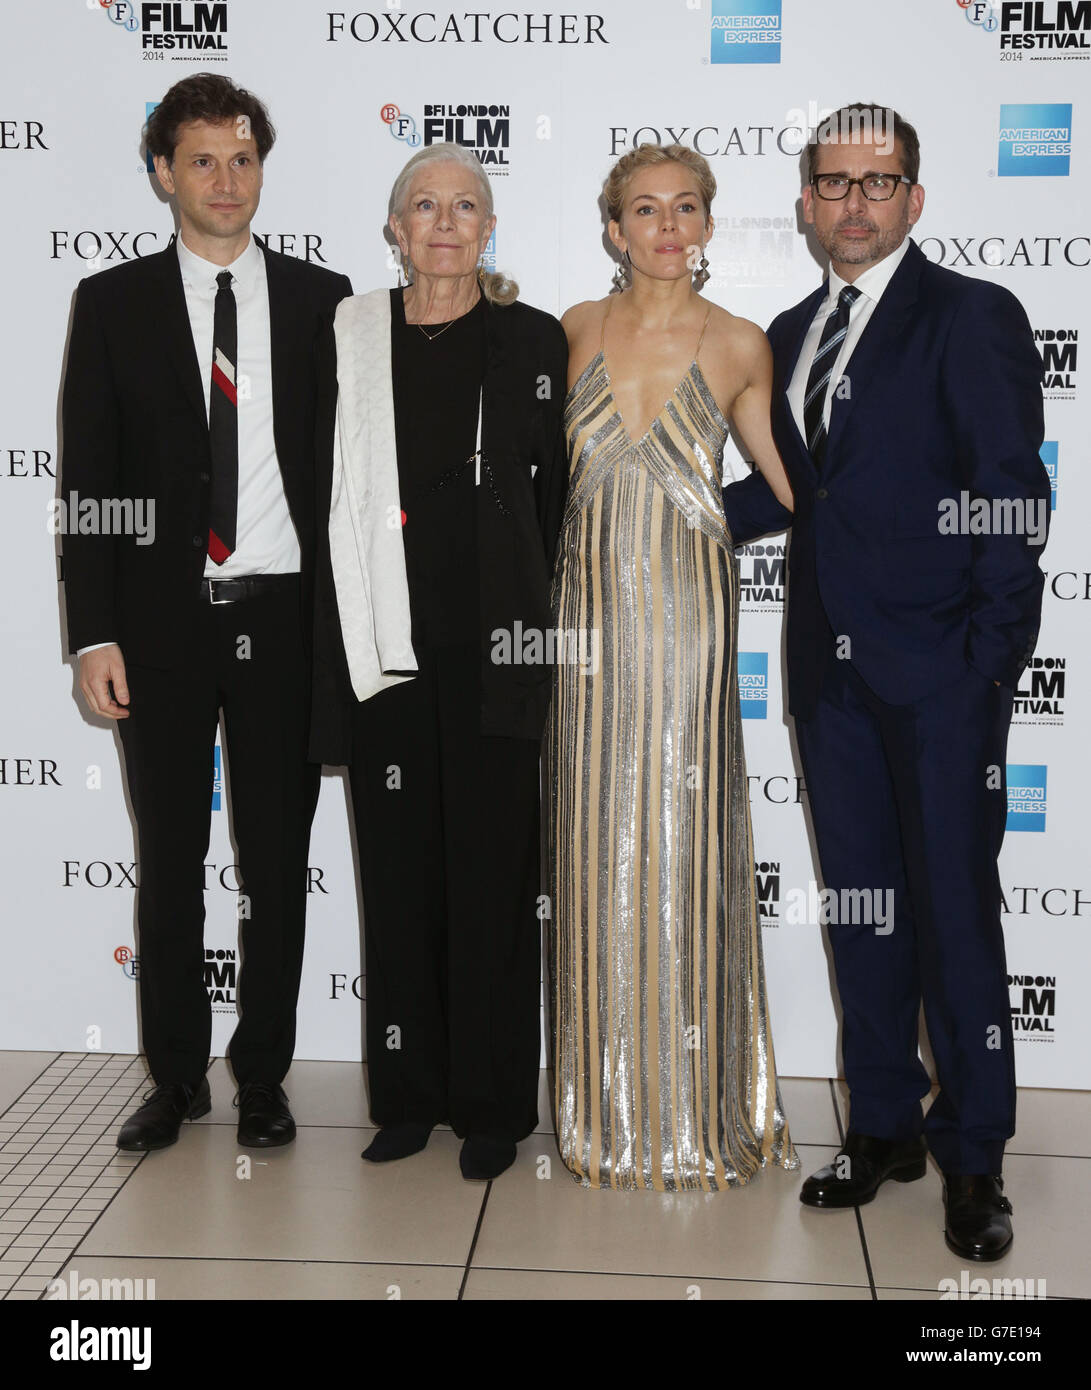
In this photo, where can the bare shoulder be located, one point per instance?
(582, 324)
(737, 349)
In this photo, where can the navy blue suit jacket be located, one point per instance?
(943, 397)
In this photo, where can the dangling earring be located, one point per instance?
(622, 276)
(701, 275)
(481, 273)
(404, 267)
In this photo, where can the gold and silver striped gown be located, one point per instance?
(663, 1056)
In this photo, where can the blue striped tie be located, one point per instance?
(833, 335)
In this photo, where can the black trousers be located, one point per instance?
(246, 658)
(447, 829)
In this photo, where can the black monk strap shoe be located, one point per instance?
(264, 1118)
(978, 1225)
(863, 1164)
(156, 1124)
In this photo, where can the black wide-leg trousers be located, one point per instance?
(246, 658)
(447, 831)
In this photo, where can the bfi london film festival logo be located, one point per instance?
(221, 977)
(1043, 29)
(753, 673)
(1027, 797)
(1040, 694)
(745, 31)
(1059, 350)
(188, 29)
(1035, 140)
(484, 127)
(217, 777)
(1033, 1000)
(761, 578)
(767, 882)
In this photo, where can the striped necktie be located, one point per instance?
(223, 425)
(833, 335)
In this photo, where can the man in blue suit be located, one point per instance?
(907, 407)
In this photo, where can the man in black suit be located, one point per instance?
(189, 394)
(902, 392)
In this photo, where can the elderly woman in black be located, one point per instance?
(443, 477)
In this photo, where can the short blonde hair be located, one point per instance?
(496, 287)
(645, 157)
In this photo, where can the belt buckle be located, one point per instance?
(212, 594)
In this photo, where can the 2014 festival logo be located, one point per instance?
(752, 250)
(190, 30)
(1040, 694)
(1059, 350)
(1027, 796)
(761, 578)
(753, 674)
(1041, 30)
(1033, 1001)
(767, 880)
(484, 127)
(746, 31)
(1035, 139)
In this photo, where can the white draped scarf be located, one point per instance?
(366, 545)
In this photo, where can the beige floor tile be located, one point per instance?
(272, 1279)
(545, 1285)
(17, 1071)
(757, 1232)
(1052, 1122)
(904, 1230)
(314, 1199)
(809, 1107)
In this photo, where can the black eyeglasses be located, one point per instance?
(877, 188)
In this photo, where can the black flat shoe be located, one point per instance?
(157, 1123)
(862, 1166)
(483, 1157)
(397, 1141)
(978, 1224)
(265, 1122)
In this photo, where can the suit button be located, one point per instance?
(197, 542)
(822, 494)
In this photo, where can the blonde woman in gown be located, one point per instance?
(663, 1056)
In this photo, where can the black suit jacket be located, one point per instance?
(134, 426)
(518, 523)
(944, 399)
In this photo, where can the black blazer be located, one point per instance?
(944, 398)
(518, 523)
(134, 425)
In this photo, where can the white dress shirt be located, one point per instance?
(871, 285)
(266, 540)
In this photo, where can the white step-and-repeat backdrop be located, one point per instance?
(548, 97)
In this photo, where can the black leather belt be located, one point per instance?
(246, 586)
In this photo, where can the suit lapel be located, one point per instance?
(889, 318)
(171, 304)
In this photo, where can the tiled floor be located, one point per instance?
(206, 1219)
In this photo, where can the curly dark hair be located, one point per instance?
(206, 96)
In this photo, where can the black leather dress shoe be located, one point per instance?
(485, 1156)
(858, 1171)
(978, 1225)
(265, 1122)
(156, 1124)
